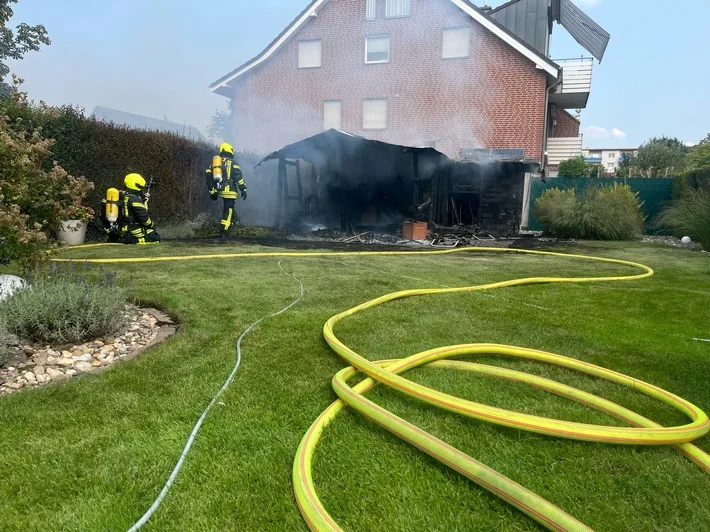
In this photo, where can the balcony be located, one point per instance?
(563, 148)
(573, 92)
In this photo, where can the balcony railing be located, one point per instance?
(576, 85)
(563, 148)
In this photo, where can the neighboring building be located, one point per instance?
(131, 120)
(438, 73)
(609, 158)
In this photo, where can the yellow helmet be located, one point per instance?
(134, 182)
(226, 148)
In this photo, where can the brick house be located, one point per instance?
(438, 73)
(441, 73)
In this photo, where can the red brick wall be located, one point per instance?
(495, 98)
(563, 125)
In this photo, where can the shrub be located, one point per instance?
(603, 213)
(62, 305)
(557, 212)
(689, 216)
(696, 178)
(3, 340)
(35, 192)
(574, 167)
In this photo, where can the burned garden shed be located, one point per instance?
(341, 181)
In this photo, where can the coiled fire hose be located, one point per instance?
(388, 372)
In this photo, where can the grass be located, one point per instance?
(94, 453)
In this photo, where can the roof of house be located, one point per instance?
(145, 122)
(531, 20)
(552, 69)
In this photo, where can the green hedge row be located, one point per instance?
(105, 152)
(698, 179)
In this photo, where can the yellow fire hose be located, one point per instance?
(388, 372)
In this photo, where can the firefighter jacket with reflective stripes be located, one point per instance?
(135, 214)
(233, 177)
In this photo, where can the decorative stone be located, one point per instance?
(55, 374)
(29, 350)
(66, 354)
(96, 364)
(72, 373)
(84, 367)
(65, 362)
(30, 376)
(39, 370)
(85, 357)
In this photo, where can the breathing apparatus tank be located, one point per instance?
(217, 172)
(112, 209)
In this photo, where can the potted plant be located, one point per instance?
(72, 229)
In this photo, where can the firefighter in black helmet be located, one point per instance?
(223, 178)
(138, 227)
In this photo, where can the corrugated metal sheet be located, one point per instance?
(585, 31)
(528, 19)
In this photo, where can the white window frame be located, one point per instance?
(468, 29)
(326, 125)
(374, 128)
(391, 8)
(367, 46)
(320, 58)
(371, 10)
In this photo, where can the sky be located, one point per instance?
(157, 58)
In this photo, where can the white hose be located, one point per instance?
(176, 470)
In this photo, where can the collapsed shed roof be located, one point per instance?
(323, 147)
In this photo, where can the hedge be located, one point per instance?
(105, 152)
(698, 179)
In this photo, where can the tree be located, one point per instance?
(661, 155)
(15, 44)
(699, 156)
(220, 128)
(657, 157)
(574, 167)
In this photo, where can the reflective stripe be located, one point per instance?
(141, 205)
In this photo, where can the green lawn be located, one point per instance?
(94, 453)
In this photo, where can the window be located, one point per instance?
(371, 10)
(309, 54)
(612, 155)
(377, 49)
(610, 166)
(332, 114)
(374, 114)
(398, 8)
(457, 43)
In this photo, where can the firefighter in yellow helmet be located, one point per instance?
(137, 225)
(222, 178)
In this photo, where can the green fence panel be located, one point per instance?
(655, 193)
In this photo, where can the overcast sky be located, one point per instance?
(157, 57)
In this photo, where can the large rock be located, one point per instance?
(85, 357)
(39, 370)
(15, 357)
(65, 362)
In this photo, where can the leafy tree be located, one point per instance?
(699, 156)
(220, 128)
(624, 167)
(660, 155)
(574, 167)
(14, 44)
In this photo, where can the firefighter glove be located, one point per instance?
(244, 194)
